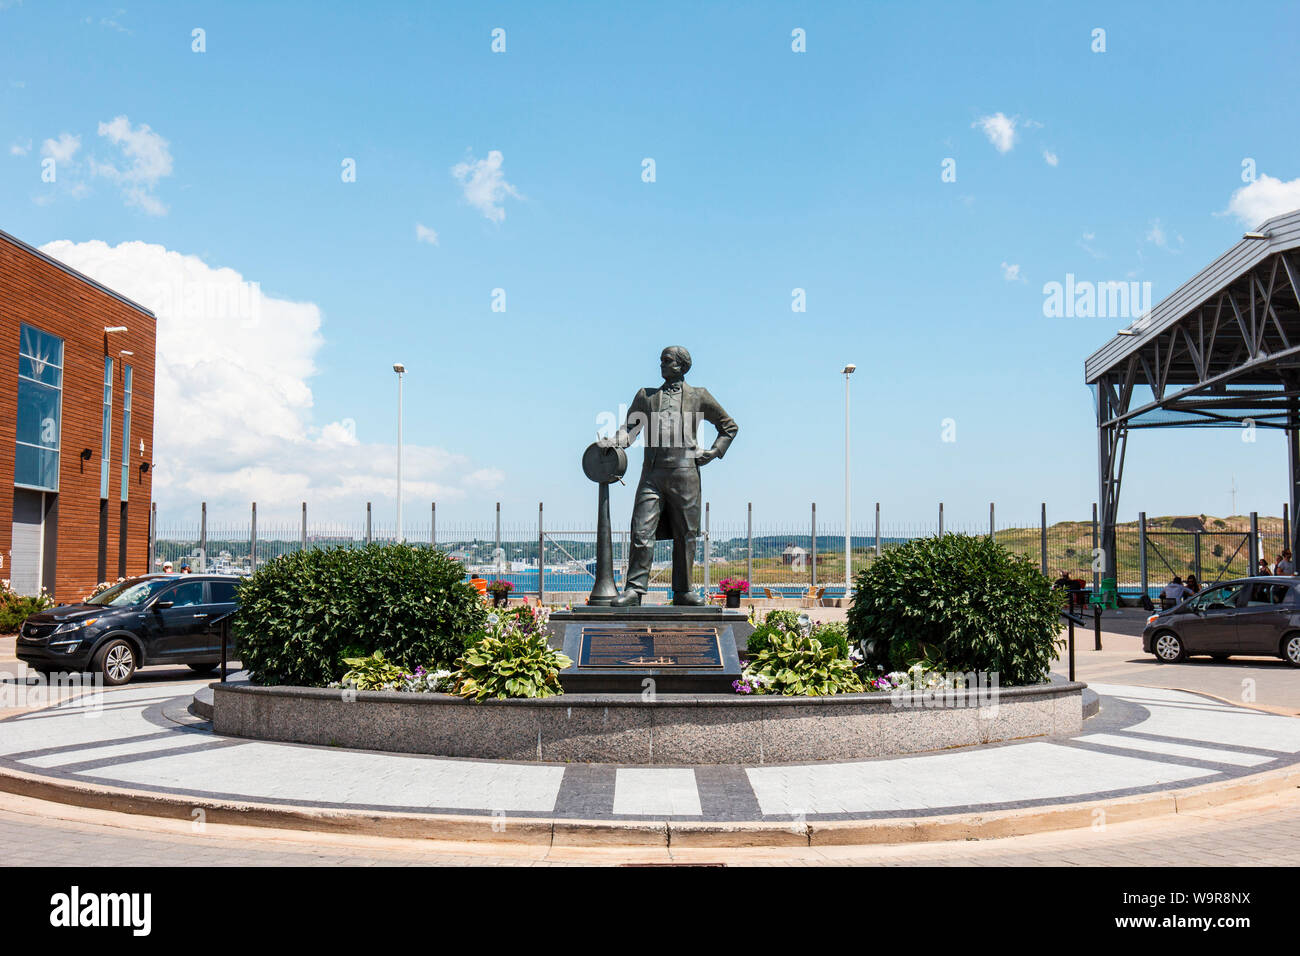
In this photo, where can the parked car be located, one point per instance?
(154, 619)
(1257, 616)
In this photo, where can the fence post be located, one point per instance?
(814, 544)
(1196, 555)
(541, 552)
(302, 542)
(433, 524)
(877, 529)
(252, 540)
(708, 551)
(992, 529)
(498, 540)
(941, 519)
(1096, 575)
(367, 523)
(203, 538)
(1142, 553)
(749, 546)
(1286, 527)
(1254, 542)
(1042, 539)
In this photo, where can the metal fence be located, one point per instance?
(783, 559)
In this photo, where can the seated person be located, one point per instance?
(1174, 592)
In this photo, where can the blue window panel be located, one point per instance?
(36, 467)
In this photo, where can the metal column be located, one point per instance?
(368, 527)
(941, 519)
(498, 539)
(1196, 557)
(203, 538)
(303, 538)
(992, 528)
(1293, 469)
(153, 535)
(877, 529)
(252, 540)
(541, 552)
(1096, 577)
(433, 524)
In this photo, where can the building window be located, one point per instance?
(40, 403)
(126, 429)
(106, 446)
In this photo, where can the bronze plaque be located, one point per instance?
(613, 646)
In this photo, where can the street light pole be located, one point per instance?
(848, 526)
(400, 369)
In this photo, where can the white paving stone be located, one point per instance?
(658, 792)
(1173, 749)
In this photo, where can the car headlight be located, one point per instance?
(71, 626)
(1153, 618)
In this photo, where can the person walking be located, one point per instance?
(1285, 566)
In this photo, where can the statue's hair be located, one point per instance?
(682, 356)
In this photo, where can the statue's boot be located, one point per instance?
(689, 599)
(629, 598)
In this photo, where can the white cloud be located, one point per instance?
(19, 148)
(1000, 130)
(234, 400)
(1011, 272)
(1050, 157)
(148, 159)
(1263, 199)
(61, 150)
(485, 185)
(1085, 243)
(424, 234)
(1157, 236)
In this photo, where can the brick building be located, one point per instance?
(76, 427)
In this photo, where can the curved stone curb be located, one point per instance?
(562, 832)
(666, 729)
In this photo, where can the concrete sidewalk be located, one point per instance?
(1147, 746)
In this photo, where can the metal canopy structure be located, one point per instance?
(1222, 351)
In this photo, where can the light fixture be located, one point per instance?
(86, 454)
(115, 328)
(125, 352)
(1126, 332)
(1256, 235)
(399, 368)
(144, 467)
(849, 369)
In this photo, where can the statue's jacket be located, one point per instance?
(669, 491)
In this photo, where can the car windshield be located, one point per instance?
(129, 593)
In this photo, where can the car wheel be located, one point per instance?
(202, 668)
(116, 662)
(1168, 647)
(1291, 649)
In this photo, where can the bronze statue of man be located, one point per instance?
(668, 496)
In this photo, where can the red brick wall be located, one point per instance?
(38, 293)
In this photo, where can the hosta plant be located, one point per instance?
(372, 673)
(802, 666)
(505, 661)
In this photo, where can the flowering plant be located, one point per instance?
(500, 586)
(16, 608)
(504, 660)
(734, 585)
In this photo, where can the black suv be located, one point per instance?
(1255, 617)
(155, 619)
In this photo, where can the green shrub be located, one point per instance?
(964, 602)
(785, 618)
(505, 661)
(16, 608)
(301, 613)
(833, 634)
(372, 673)
(759, 637)
(793, 664)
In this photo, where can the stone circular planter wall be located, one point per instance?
(671, 729)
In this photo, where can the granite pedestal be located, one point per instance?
(681, 650)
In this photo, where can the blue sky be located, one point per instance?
(774, 171)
